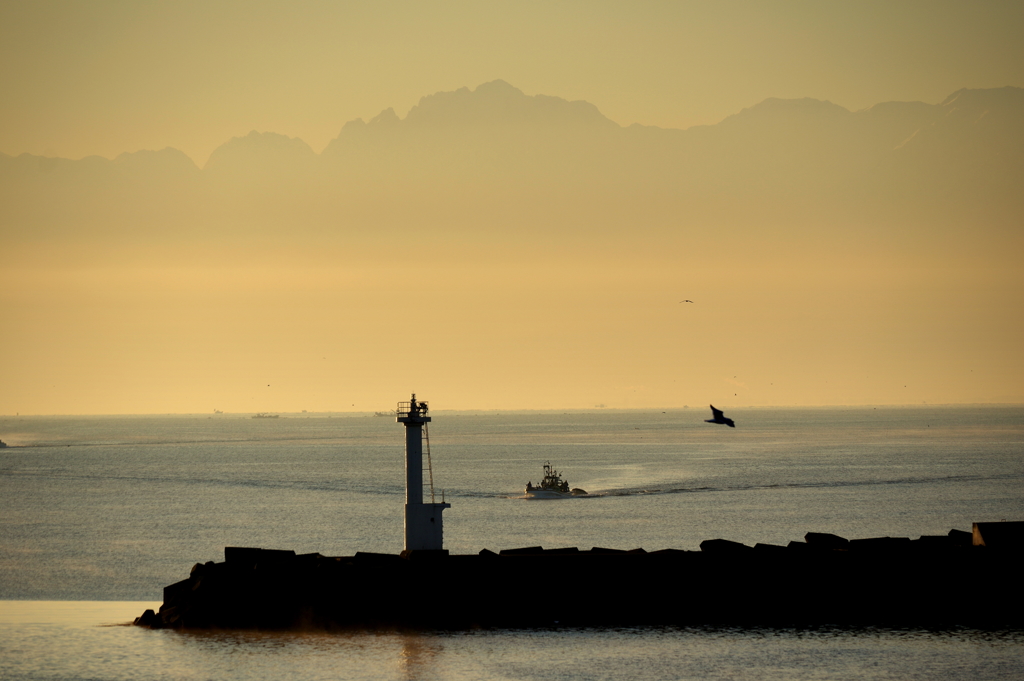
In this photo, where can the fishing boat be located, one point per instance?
(552, 486)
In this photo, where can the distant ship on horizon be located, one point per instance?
(265, 415)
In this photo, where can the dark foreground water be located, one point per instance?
(98, 514)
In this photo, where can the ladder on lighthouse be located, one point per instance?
(430, 467)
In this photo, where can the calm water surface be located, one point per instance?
(89, 640)
(98, 514)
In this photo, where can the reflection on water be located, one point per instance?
(419, 654)
(47, 640)
(353, 654)
(71, 614)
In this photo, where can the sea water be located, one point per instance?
(97, 514)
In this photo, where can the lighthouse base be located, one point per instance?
(424, 530)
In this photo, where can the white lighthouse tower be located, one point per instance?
(423, 527)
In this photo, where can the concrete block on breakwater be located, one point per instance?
(825, 579)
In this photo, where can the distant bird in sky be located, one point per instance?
(685, 301)
(719, 418)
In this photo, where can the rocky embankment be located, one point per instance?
(962, 578)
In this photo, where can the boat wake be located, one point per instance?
(831, 484)
(531, 497)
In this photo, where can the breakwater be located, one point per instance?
(962, 578)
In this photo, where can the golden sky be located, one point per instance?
(478, 299)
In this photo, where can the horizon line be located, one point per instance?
(496, 410)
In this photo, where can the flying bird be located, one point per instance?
(719, 418)
(685, 301)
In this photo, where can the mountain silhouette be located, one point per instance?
(494, 107)
(260, 155)
(499, 104)
(493, 131)
(494, 160)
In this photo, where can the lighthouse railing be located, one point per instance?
(405, 408)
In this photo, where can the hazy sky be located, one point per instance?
(807, 308)
(81, 78)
